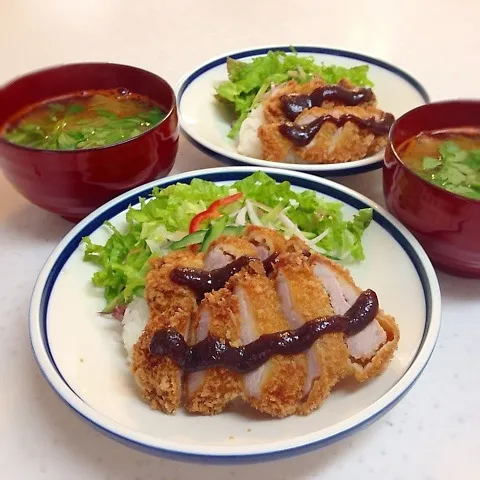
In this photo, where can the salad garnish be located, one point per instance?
(213, 211)
(183, 215)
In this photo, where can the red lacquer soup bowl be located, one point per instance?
(447, 225)
(72, 183)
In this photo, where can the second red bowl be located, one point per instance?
(447, 225)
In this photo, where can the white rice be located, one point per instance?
(134, 321)
(248, 142)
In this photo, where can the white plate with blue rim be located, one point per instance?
(80, 355)
(206, 126)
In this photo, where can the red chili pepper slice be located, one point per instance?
(212, 211)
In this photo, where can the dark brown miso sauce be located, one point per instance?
(213, 352)
(204, 281)
(295, 103)
(302, 135)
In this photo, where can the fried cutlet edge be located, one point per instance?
(159, 379)
(382, 358)
(330, 350)
(219, 385)
(282, 390)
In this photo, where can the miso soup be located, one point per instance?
(449, 159)
(95, 118)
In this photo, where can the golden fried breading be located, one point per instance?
(170, 305)
(331, 144)
(296, 245)
(303, 286)
(303, 298)
(336, 145)
(276, 147)
(377, 362)
(276, 387)
(272, 106)
(378, 143)
(209, 392)
(265, 240)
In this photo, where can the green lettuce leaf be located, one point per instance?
(177, 204)
(123, 262)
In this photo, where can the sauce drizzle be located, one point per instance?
(204, 281)
(213, 352)
(294, 104)
(302, 135)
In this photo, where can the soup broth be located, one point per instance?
(449, 159)
(83, 120)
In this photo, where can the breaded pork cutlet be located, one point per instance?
(209, 392)
(302, 286)
(371, 349)
(272, 106)
(331, 144)
(276, 387)
(303, 298)
(170, 305)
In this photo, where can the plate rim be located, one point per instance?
(238, 453)
(233, 158)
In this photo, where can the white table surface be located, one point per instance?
(434, 432)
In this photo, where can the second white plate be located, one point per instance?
(205, 127)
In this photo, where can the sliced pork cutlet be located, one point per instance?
(330, 143)
(303, 298)
(225, 249)
(265, 240)
(372, 349)
(170, 306)
(273, 106)
(276, 387)
(209, 392)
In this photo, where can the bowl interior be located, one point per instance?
(434, 116)
(66, 79)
